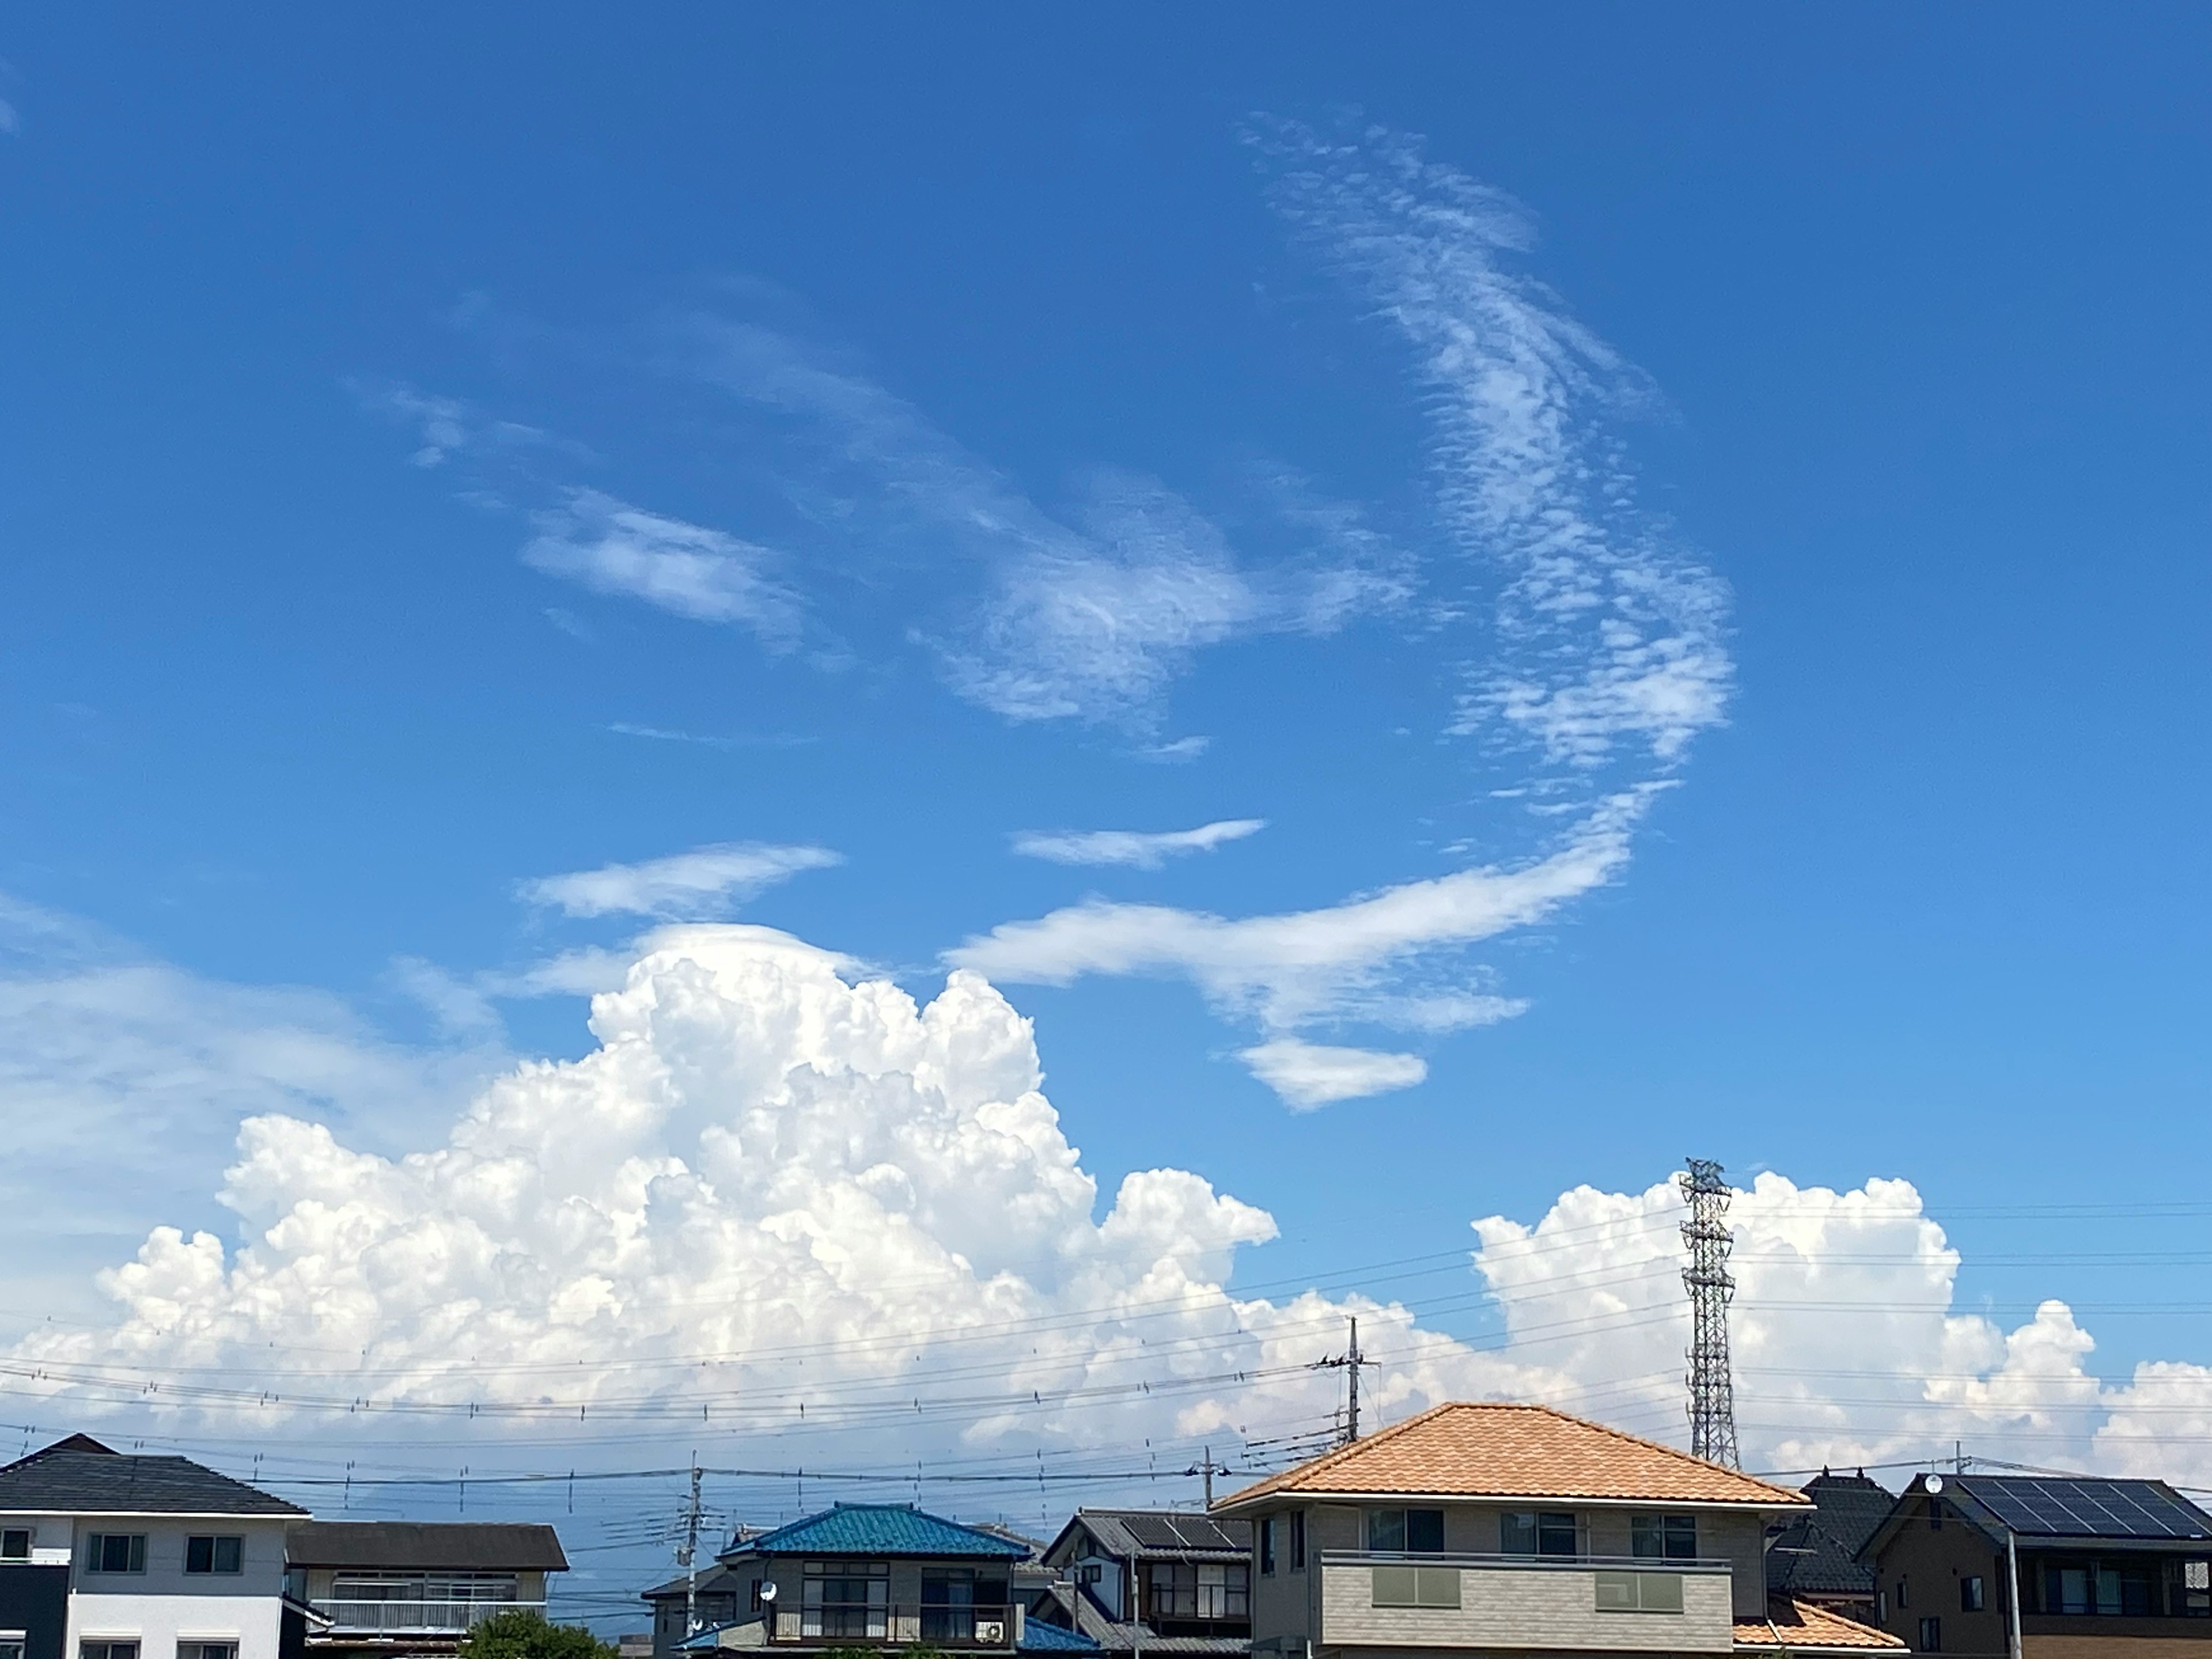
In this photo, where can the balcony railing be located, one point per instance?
(899, 1624)
(398, 1617)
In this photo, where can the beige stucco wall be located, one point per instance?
(1549, 1608)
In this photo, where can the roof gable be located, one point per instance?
(1466, 1449)
(883, 1529)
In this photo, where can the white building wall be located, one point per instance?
(165, 1605)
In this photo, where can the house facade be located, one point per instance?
(378, 1590)
(2043, 1568)
(1503, 1529)
(859, 1575)
(108, 1556)
(1161, 1581)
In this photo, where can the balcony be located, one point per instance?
(896, 1625)
(1591, 1603)
(403, 1617)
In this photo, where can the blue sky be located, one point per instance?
(447, 456)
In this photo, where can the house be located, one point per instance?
(1161, 1581)
(2045, 1568)
(392, 1587)
(109, 1556)
(857, 1575)
(1508, 1529)
(1815, 1558)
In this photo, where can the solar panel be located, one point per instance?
(1202, 1533)
(1153, 1531)
(2088, 1508)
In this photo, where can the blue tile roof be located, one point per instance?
(1037, 1637)
(882, 1529)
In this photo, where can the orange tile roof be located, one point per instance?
(1801, 1625)
(1487, 1450)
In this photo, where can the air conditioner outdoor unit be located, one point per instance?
(990, 1630)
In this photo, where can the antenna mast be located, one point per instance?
(1712, 1393)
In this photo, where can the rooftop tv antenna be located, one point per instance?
(1712, 1393)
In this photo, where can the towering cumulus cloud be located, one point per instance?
(779, 1198)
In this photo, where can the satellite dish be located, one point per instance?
(767, 1591)
(1933, 1483)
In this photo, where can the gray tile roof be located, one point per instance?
(1818, 1552)
(475, 1546)
(1077, 1609)
(68, 1481)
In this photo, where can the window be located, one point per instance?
(1405, 1532)
(843, 1600)
(1931, 1634)
(116, 1552)
(1551, 1532)
(203, 1554)
(1881, 1607)
(1297, 1541)
(2130, 1588)
(1663, 1537)
(15, 1543)
(1267, 1545)
(207, 1650)
(107, 1650)
(11, 1645)
(1904, 1600)
(1182, 1590)
(1639, 1592)
(1416, 1587)
(949, 1600)
(2190, 1586)
(1970, 1593)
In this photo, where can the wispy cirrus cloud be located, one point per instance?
(448, 428)
(705, 883)
(1612, 634)
(690, 570)
(1088, 614)
(1139, 849)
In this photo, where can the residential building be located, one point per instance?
(1815, 1558)
(2045, 1568)
(109, 1556)
(857, 1575)
(392, 1588)
(1162, 1580)
(1503, 1529)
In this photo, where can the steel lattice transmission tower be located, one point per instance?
(1712, 1393)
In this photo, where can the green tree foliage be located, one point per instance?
(522, 1634)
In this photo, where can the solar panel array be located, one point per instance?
(1180, 1532)
(2088, 1508)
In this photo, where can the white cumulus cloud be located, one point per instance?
(1140, 849)
(1312, 1074)
(698, 886)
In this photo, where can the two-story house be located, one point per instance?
(1503, 1529)
(378, 1590)
(2045, 1568)
(1155, 1581)
(106, 1556)
(859, 1575)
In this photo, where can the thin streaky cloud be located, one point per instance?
(608, 546)
(703, 883)
(1137, 848)
(1311, 1075)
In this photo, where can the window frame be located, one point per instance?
(1266, 1543)
(1974, 1594)
(8, 1535)
(108, 1649)
(1667, 1532)
(1297, 1541)
(133, 1550)
(1634, 1589)
(1537, 1528)
(1931, 1633)
(215, 1552)
(1404, 1516)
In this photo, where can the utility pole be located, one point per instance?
(1713, 1391)
(687, 1556)
(1209, 1469)
(1349, 1362)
